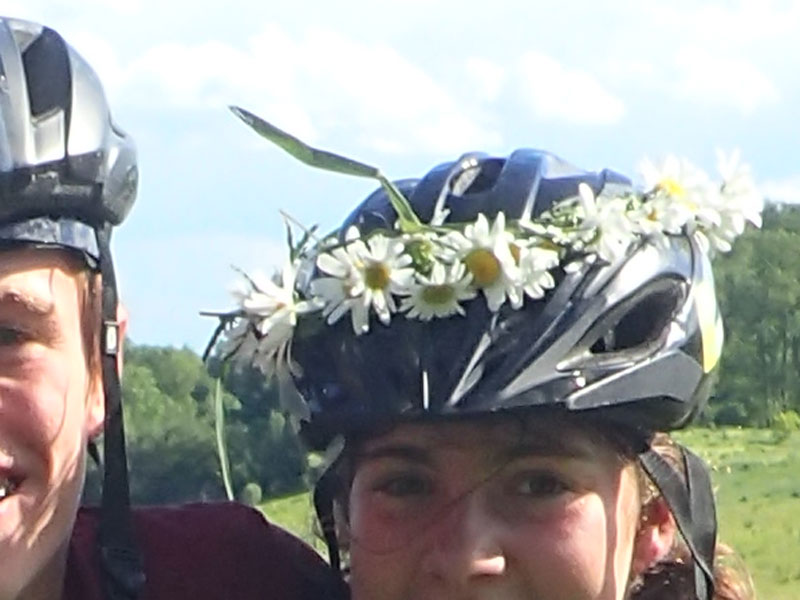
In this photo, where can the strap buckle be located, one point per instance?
(111, 338)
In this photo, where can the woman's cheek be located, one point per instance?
(567, 550)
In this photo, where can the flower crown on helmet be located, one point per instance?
(427, 271)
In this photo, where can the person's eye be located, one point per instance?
(12, 336)
(538, 484)
(404, 485)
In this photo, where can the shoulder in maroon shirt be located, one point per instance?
(204, 552)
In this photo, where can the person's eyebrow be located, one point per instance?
(549, 447)
(398, 451)
(32, 311)
(29, 303)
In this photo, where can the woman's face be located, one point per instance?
(468, 511)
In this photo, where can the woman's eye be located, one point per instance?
(401, 486)
(539, 485)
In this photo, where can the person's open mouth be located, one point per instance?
(8, 485)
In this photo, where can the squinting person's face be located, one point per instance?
(466, 511)
(49, 408)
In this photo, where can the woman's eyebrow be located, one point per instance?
(399, 451)
(542, 448)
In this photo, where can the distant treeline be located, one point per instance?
(758, 285)
(169, 395)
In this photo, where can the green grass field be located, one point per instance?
(757, 478)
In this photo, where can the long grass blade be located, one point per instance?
(322, 159)
(222, 448)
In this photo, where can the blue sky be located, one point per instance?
(404, 85)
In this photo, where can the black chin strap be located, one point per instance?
(692, 505)
(120, 559)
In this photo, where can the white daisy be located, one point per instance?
(269, 301)
(605, 226)
(439, 295)
(739, 195)
(674, 177)
(680, 195)
(535, 262)
(363, 276)
(486, 253)
(270, 308)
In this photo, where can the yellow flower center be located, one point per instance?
(484, 266)
(438, 294)
(376, 276)
(671, 187)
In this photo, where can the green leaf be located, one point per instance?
(409, 221)
(322, 159)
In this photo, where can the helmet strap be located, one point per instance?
(692, 505)
(324, 493)
(120, 558)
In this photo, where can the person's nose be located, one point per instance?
(465, 542)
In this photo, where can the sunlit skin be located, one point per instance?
(50, 406)
(468, 511)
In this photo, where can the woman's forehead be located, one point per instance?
(544, 435)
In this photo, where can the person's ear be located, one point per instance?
(655, 536)
(97, 401)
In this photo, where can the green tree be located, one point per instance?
(758, 286)
(168, 402)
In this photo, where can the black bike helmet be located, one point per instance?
(636, 337)
(568, 289)
(67, 175)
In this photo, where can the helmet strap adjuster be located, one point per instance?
(110, 338)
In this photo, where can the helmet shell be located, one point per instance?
(62, 157)
(633, 340)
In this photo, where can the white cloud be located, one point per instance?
(729, 24)
(740, 55)
(487, 78)
(367, 90)
(783, 190)
(722, 81)
(72, 8)
(637, 69)
(554, 91)
(100, 54)
(20, 9)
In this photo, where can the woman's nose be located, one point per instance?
(465, 541)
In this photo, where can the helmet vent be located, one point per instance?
(643, 321)
(477, 178)
(47, 74)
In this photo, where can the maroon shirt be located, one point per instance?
(221, 551)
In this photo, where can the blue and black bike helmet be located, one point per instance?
(632, 341)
